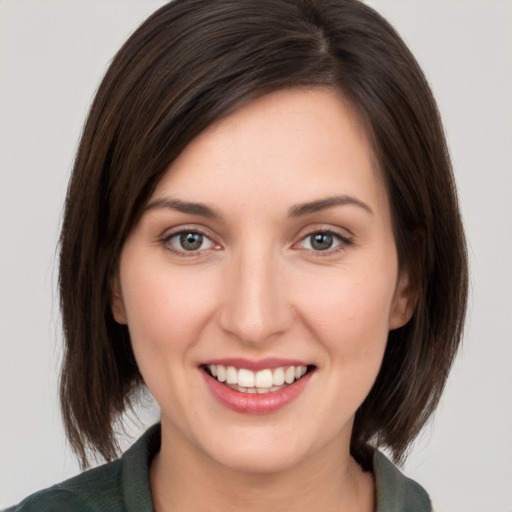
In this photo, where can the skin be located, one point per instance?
(258, 288)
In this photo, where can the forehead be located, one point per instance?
(295, 144)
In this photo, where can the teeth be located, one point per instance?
(263, 381)
(278, 377)
(221, 373)
(245, 378)
(289, 375)
(231, 375)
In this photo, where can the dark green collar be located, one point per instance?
(123, 486)
(396, 492)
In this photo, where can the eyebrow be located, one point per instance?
(298, 210)
(323, 204)
(184, 207)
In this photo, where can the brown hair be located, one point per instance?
(191, 63)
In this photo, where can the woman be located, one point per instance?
(262, 228)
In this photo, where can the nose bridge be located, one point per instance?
(255, 307)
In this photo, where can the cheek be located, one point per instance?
(350, 314)
(166, 311)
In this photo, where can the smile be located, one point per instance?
(261, 382)
(266, 388)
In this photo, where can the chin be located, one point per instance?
(260, 450)
(259, 461)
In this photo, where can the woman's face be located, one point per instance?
(266, 246)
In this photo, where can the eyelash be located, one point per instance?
(183, 252)
(343, 243)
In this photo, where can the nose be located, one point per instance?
(255, 308)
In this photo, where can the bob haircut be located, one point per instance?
(187, 66)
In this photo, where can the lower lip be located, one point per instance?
(254, 403)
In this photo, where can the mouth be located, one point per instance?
(263, 381)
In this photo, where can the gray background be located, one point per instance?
(52, 55)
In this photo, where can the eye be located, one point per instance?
(324, 241)
(188, 242)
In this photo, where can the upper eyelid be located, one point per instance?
(331, 231)
(343, 233)
(201, 230)
(174, 234)
(342, 238)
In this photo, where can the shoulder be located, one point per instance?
(119, 486)
(396, 492)
(94, 490)
(51, 500)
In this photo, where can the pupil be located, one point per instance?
(191, 241)
(321, 241)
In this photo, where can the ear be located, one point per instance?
(116, 302)
(404, 302)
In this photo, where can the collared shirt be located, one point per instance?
(123, 486)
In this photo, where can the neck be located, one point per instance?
(183, 478)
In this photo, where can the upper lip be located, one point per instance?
(256, 364)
